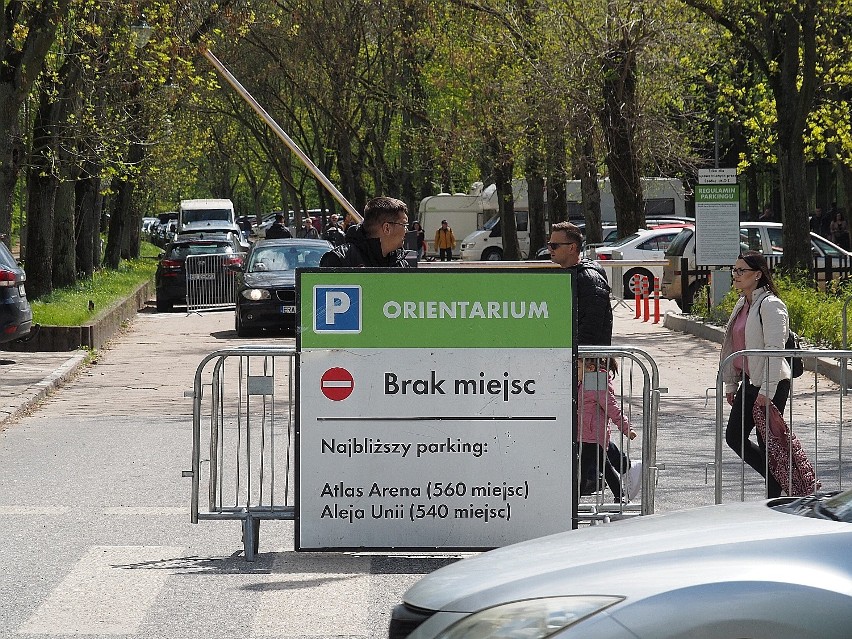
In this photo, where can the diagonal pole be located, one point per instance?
(245, 95)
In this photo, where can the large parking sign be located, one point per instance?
(436, 408)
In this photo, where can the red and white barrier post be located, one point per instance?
(636, 284)
(646, 294)
(656, 300)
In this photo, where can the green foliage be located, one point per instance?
(70, 306)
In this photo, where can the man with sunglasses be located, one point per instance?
(594, 320)
(594, 314)
(377, 241)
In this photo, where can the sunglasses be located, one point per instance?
(555, 245)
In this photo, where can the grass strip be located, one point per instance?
(79, 304)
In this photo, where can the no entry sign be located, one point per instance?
(337, 384)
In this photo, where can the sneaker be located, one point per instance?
(633, 485)
(588, 487)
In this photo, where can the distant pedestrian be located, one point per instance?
(245, 226)
(445, 240)
(815, 222)
(278, 230)
(415, 240)
(333, 232)
(840, 231)
(308, 231)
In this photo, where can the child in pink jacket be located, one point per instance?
(598, 408)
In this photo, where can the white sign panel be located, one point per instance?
(717, 176)
(717, 224)
(428, 448)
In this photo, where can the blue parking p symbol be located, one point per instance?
(337, 309)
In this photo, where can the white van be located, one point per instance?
(487, 243)
(197, 216)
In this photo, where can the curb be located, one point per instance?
(826, 367)
(33, 394)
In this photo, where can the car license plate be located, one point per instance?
(21, 290)
(288, 308)
(202, 276)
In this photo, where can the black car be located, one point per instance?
(16, 316)
(171, 271)
(266, 297)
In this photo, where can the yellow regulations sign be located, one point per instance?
(436, 409)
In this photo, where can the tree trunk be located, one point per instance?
(22, 56)
(503, 170)
(12, 153)
(64, 252)
(589, 186)
(41, 196)
(557, 175)
(535, 197)
(88, 203)
(535, 188)
(117, 222)
(618, 119)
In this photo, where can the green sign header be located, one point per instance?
(447, 308)
(717, 193)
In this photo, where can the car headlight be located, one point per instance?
(530, 619)
(256, 294)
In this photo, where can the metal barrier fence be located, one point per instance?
(211, 283)
(243, 420)
(815, 414)
(636, 391)
(243, 456)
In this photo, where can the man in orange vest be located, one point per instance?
(445, 241)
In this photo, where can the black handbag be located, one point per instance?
(796, 363)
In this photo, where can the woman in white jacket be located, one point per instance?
(759, 321)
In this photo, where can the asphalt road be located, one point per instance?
(94, 512)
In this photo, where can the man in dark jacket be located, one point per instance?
(377, 241)
(594, 314)
(594, 320)
(278, 229)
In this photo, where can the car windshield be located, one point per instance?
(285, 258)
(837, 507)
(625, 240)
(180, 251)
(840, 506)
(679, 242)
(206, 215)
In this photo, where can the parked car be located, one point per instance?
(645, 244)
(16, 316)
(171, 271)
(766, 237)
(266, 291)
(778, 569)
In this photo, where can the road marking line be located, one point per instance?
(300, 596)
(107, 592)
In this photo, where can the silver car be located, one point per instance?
(780, 569)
